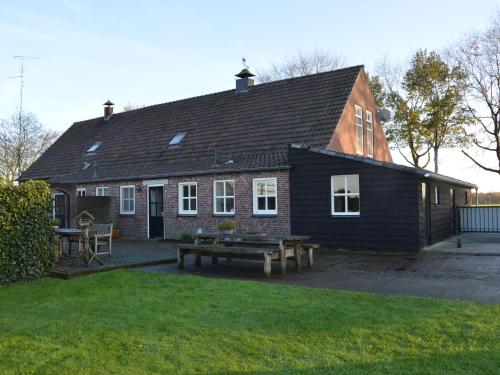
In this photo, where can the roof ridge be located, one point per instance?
(353, 67)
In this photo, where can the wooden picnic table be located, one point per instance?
(288, 245)
(69, 233)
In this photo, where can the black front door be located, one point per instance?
(156, 212)
(426, 219)
(453, 204)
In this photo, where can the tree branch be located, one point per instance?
(479, 164)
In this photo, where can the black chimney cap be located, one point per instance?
(108, 103)
(245, 73)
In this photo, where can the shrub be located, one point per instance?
(227, 225)
(26, 233)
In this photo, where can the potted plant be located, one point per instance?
(227, 227)
(56, 222)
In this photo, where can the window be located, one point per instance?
(177, 139)
(127, 200)
(188, 198)
(359, 129)
(369, 134)
(102, 191)
(345, 195)
(437, 195)
(93, 148)
(224, 197)
(466, 202)
(265, 196)
(81, 192)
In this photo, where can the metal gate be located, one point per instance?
(479, 219)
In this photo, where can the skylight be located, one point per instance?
(94, 147)
(177, 139)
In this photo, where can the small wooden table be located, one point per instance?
(289, 245)
(69, 233)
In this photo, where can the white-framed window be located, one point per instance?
(102, 191)
(188, 198)
(81, 192)
(265, 196)
(127, 199)
(345, 195)
(437, 195)
(359, 129)
(224, 197)
(369, 134)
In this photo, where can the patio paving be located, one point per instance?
(472, 244)
(126, 254)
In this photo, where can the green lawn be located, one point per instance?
(132, 322)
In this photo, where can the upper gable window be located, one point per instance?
(359, 130)
(369, 134)
(94, 147)
(177, 139)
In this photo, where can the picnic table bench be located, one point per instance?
(231, 246)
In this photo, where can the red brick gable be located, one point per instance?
(344, 137)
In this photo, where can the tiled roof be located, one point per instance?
(253, 129)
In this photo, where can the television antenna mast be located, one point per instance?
(21, 79)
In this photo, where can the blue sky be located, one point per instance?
(152, 52)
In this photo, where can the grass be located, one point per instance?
(132, 322)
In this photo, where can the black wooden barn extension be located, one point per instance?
(400, 208)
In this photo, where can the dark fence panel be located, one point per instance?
(479, 219)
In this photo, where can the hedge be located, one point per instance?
(26, 233)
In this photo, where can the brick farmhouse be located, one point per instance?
(305, 155)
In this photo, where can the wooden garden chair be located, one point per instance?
(102, 234)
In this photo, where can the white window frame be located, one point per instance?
(360, 125)
(437, 195)
(346, 195)
(99, 188)
(256, 210)
(122, 188)
(79, 192)
(224, 196)
(370, 133)
(181, 198)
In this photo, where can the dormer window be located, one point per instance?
(93, 148)
(177, 139)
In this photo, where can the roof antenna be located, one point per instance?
(215, 156)
(21, 80)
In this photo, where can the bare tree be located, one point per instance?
(479, 57)
(302, 64)
(22, 140)
(131, 106)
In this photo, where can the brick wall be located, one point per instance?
(344, 138)
(175, 224)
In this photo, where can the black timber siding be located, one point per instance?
(441, 216)
(389, 202)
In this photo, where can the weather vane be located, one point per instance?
(244, 62)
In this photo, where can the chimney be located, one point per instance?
(108, 110)
(244, 81)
